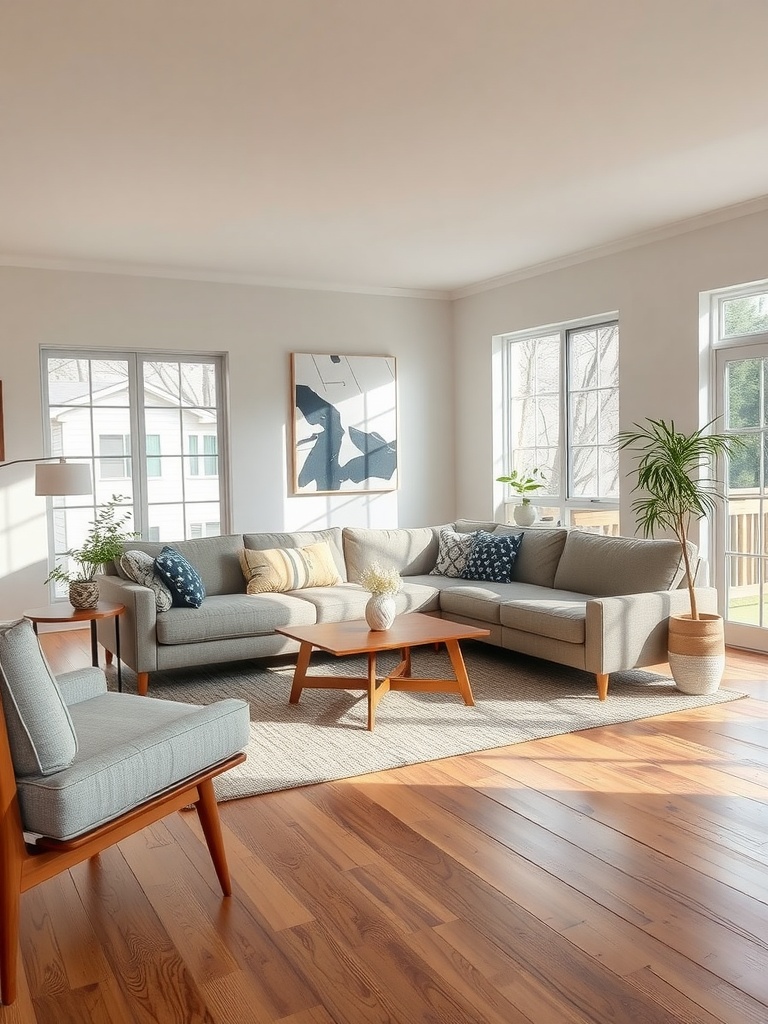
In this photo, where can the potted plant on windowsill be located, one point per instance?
(103, 543)
(524, 484)
(675, 478)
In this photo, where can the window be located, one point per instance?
(209, 448)
(562, 416)
(105, 408)
(115, 451)
(204, 530)
(739, 531)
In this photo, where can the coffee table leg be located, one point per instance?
(299, 675)
(460, 671)
(94, 645)
(372, 695)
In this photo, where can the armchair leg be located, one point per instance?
(142, 683)
(208, 813)
(10, 896)
(602, 685)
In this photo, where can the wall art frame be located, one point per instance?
(344, 424)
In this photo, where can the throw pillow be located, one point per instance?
(183, 580)
(139, 567)
(493, 558)
(40, 732)
(278, 570)
(453, 552)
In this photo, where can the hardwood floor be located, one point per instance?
(617, 875)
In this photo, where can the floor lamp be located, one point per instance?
(58, 479)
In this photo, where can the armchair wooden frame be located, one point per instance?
(25, 864)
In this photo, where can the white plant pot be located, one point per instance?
(524, 515)
(380, 611)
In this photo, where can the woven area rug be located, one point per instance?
(324, 736)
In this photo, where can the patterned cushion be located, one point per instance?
(40, 731)
(493, 558)
(140, 567)
(183, 579)
(453, 553)
(278, 570)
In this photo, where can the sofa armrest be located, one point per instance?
(81, 684)
(138, 633)
(631, 630)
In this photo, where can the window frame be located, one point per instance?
(563, 501)
(141, 468)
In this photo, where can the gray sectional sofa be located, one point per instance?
(589, 601)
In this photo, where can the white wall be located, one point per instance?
(258, 328)
(655, 289)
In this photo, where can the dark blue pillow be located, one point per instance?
(493, 558)
(183, 579)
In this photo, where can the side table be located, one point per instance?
(66, 613)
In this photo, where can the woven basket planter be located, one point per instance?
(84, 594)
(696, 652)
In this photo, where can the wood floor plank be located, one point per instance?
(609, 876)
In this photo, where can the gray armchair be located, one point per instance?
(82, 768)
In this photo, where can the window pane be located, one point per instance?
(167, 521)
(547, 422)
(584, 473)
(198, 384)
(742, 385)
(608, 349)
(161, 383)
(743, 536)
(743, 600)
(548, 365)
(520, 357)
(747, 314)
(69, 380)
(582, 359)
(110, 381)
(744, 465)
(608, 468)
(584, 425)
(153, 449)
(609, 416)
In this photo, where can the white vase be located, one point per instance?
(380, 611)
(524, 515)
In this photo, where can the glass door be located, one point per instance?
(741, 572)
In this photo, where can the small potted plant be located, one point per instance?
(103, 542)
(524, 484)
(676, 485)
(383, 582)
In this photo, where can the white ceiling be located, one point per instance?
(404, 144)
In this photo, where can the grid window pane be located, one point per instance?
(747, 314)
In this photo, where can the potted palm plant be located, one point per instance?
(103, 542)
(524, 484)
(676, 485)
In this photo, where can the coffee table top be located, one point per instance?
(355, 636)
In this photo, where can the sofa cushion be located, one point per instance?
(215, 558)
(230, 616)
(139, 566)
(609, 566)
(453, 552)
(538, 558)
(561, 618)
(412, 552)
(332, 536)
(348, 601)
(182, 578)
(279, 570)
(40, 731)
(493, 558)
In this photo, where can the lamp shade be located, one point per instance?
(62, 478)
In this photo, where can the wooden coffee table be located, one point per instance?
(407, 631)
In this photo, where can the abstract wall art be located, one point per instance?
(344, 420)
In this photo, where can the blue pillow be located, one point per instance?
(493, 558)
(183, 580)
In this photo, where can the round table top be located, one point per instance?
(64, 612)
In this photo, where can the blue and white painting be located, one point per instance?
(344, 423)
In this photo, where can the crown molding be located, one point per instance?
(681, 227)
(211, 277)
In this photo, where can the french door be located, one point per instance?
(741, 548)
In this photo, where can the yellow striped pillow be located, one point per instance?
(277, 570)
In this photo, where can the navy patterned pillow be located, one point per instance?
(183, 580)
(493, 558)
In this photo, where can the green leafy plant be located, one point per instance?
(103, 542)
(675, 473)
(524, 483)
